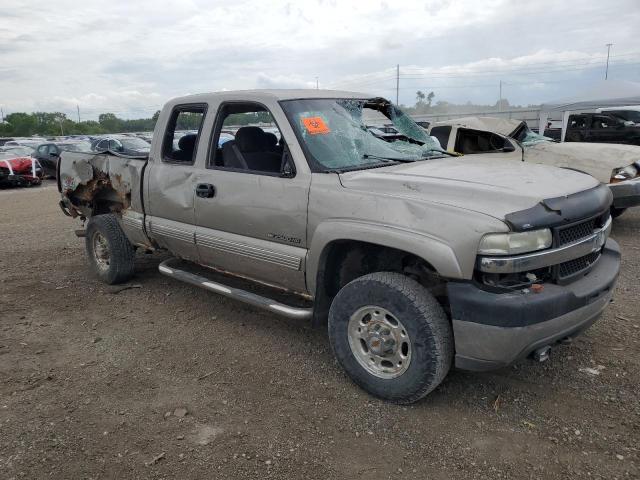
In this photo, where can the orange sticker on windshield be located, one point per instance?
(315, 125)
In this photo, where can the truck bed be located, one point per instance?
(100, 183)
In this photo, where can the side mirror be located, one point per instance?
(509, 148)
(53, 154)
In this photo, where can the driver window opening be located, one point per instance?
(248, 139)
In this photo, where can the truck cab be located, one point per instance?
(604, 127)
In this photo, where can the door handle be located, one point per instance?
(205, 190)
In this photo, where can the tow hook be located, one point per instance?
(542, 354)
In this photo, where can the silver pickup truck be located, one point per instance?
(417, 259)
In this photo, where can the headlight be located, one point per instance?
(515, 242)
(622, 174)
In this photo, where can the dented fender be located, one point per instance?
(433, 250)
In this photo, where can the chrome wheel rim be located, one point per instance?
(101, 251)
(379, 342)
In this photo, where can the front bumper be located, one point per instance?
(626, 194)
(17, 180)
(492, 330)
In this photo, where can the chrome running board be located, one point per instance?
(235, 293)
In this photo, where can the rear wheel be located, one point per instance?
(391, 336)
(111, 255)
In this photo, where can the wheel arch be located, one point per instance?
(380, 248)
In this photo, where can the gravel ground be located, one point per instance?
(169, 381)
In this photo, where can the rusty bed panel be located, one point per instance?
(108, 182)
(87, 177)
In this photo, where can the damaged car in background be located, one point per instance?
(18, 169)
(617, 166)
(416, 259)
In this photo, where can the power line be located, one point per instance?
(554, 62)
(519, 71)
(481, 74)
(529, 69)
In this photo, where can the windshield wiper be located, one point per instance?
(392, 159)
(440, 152)
(365, 166)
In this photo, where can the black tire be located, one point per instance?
(616, 212)
(429, 330)
(119, 266)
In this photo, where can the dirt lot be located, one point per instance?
(93, 382)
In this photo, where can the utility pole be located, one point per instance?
(606, 72)
(78, 107)
(317, 87)
(397, 82)
(1, 115)
(500, 101)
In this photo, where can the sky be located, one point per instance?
(130, 56)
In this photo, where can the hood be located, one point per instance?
(596, 159)
(503, 126)
(486, 183)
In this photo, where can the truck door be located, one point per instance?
(170, 181)
(251, 201)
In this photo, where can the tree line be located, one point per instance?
(22, 124)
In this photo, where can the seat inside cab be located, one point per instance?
(258, 145)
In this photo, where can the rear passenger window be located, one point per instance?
(180, 140)
(442, 134)
(577, 121)
(247, 139)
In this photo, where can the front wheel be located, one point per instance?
(111, 255)
(391, 336)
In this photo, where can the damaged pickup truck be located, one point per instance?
(617, 166)
(417, 259)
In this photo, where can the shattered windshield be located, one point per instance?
(531, 138)
(335, 135)
(526, 137)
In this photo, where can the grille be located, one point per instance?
(576, 232)
(572, 267)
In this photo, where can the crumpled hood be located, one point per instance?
(503, 126)
(485, 183)
(597, 159)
